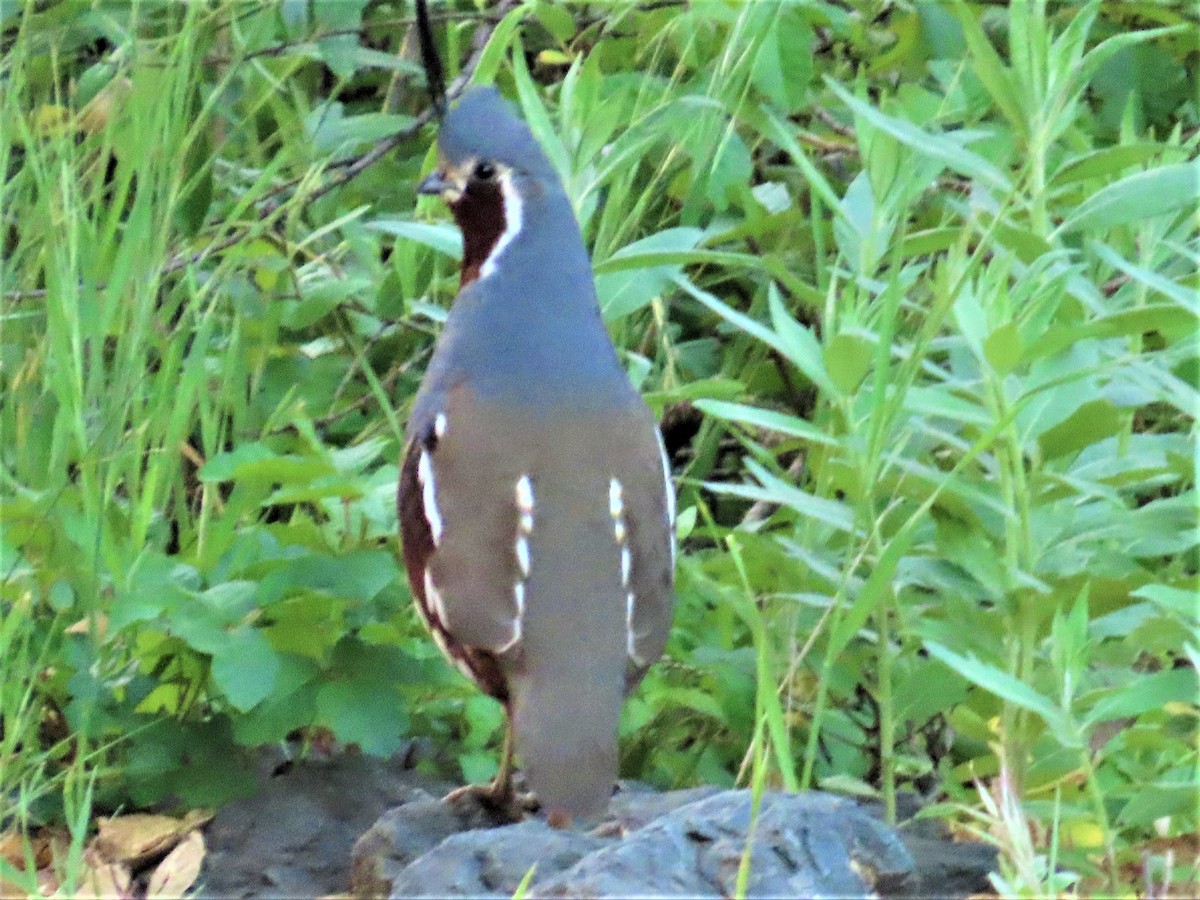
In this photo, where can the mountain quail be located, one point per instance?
(535, 499)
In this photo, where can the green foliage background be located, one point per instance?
(913, 283)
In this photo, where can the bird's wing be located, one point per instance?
(460, 523)
(649, 501)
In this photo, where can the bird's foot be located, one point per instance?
(504, 805)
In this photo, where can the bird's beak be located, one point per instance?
(435, 183)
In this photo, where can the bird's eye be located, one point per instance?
(484, 171)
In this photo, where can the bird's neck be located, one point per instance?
(523, 229)
(529, 325)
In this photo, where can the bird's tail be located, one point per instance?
(565, 724)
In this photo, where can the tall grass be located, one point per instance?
(938, 315)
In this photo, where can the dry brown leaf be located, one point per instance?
(84, 625)
(179, 870)
(101, 879)
(197, 818)
(138, 837)
(47, 881)
(100, 109)
(12, 849)
(9, 891)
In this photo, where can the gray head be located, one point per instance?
(480, 140)
(489, 166)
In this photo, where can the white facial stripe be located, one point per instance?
(512, 222)
(439, 426)
(429, 497)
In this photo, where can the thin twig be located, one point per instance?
(831, 122)
(280, 49)
(826, 146)
(1114, 284)
(387, 382)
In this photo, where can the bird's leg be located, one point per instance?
(499, 796)
(502, 787)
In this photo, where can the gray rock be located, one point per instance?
(680, 843)
(492, 863)
(293, 837)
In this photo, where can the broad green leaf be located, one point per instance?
(224, 466)
(1104, 51)
(244, 667)
(1105, 162)
(334, 486)
(1146, 692)
(443, 237)
(535, 114)
(1143, 195)
(1091, 422)
(636, 256)
(701, 389)
(639, 272)
(1003, 348)
(335, 133)
(1164, 317)
(730, 171)
(782, 69)
(255, 464)
(848, 358)
(873, 592)
(497, 46)
(1158, 801)
(948, 148)
(995, 77)
(366, 713)
(942, 402)
(1001, 684)
(1181, 294)
(556, 19)
(1181, 602)
(804, 350)
(477, 766)
(358, 576)
(290, 705)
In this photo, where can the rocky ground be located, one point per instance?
(379, 828)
